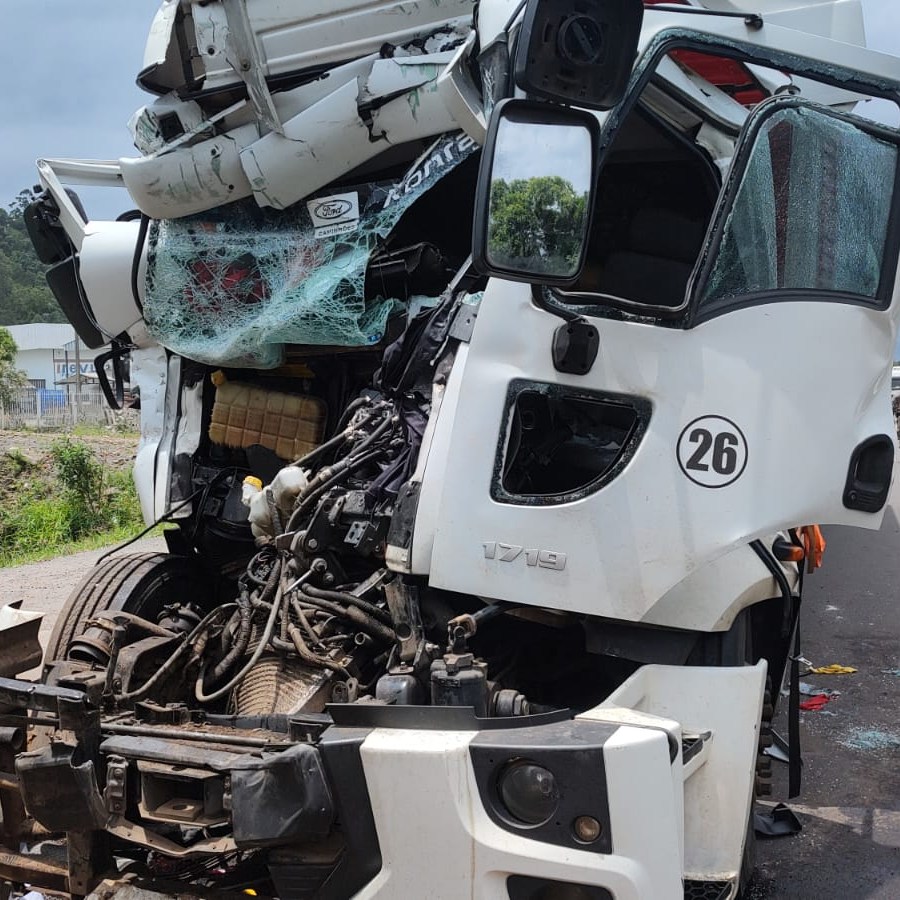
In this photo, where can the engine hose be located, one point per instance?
(345, 597)
(356, 616)
(351, 408)
(307, 627)
(239, 647)
(307, 655)
(245, 628)
(336, 474)
(201, 697)
(380, 430)
(340, 435)
(166, 668)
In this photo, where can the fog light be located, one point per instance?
(529, 792)
(587, 829)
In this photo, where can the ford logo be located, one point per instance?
(333, 209)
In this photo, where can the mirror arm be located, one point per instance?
(115, 398)
(541, 302)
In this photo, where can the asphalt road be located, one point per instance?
(849, 848)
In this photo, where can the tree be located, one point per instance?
(536, 224)
(24, 293)
(11, 378)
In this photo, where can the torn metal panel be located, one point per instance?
(461, 95)
(149, 374)
(419, 113)
(392, 76)
(318, 146)
(152, 127)
(243, 56)
(192, 179)
(294, 37)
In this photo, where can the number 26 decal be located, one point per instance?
(712, 451)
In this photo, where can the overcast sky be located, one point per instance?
(69, 88)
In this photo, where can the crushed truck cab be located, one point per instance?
(496, 362)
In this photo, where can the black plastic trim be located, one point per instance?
(640, 405)
(434, 718)
(870, 495)
(573, 752)
(361, 861)
(64, 280)
(525, 887)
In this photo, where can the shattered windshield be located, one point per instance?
(811, 212)
(234, 285)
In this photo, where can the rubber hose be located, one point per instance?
(352, 614)
(257, 653)
(345, 597)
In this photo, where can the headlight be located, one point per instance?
(529, 792)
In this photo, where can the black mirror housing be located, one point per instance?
(578, 51)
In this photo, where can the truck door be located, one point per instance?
(758, 402)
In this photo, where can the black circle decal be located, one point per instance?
(712, 451)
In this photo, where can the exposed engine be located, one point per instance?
(315, 616)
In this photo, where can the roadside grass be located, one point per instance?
(61, 503)
(122, 428)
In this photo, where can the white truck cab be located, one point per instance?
(497, 365)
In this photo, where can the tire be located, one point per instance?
(139, 583)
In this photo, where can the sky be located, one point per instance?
(70, 84)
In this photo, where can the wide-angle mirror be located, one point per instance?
(534, 208)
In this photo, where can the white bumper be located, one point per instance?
(438, 840)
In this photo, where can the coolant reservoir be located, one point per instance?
(290, 425)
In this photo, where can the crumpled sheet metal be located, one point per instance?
(233, 286)
(327, 128)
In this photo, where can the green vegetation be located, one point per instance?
(11, 378)
(62, 503)
(537, 224)
(24, 294)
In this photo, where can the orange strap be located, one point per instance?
(814, 544)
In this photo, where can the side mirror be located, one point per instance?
(579, 51)
(535, 193)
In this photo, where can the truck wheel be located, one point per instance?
(139, 583)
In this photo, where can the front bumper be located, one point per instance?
(398, 802)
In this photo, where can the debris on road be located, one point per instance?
(816, 702)
(872, 739)
(833, 669)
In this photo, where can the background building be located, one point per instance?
(48, 355)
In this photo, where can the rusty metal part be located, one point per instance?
(20, 649)
(403, 602)
(137, 834)
(41, 697)
(33, 870)
(12, 741)
(178, 735)
(116, 783)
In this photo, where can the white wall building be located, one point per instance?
(46, 353)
